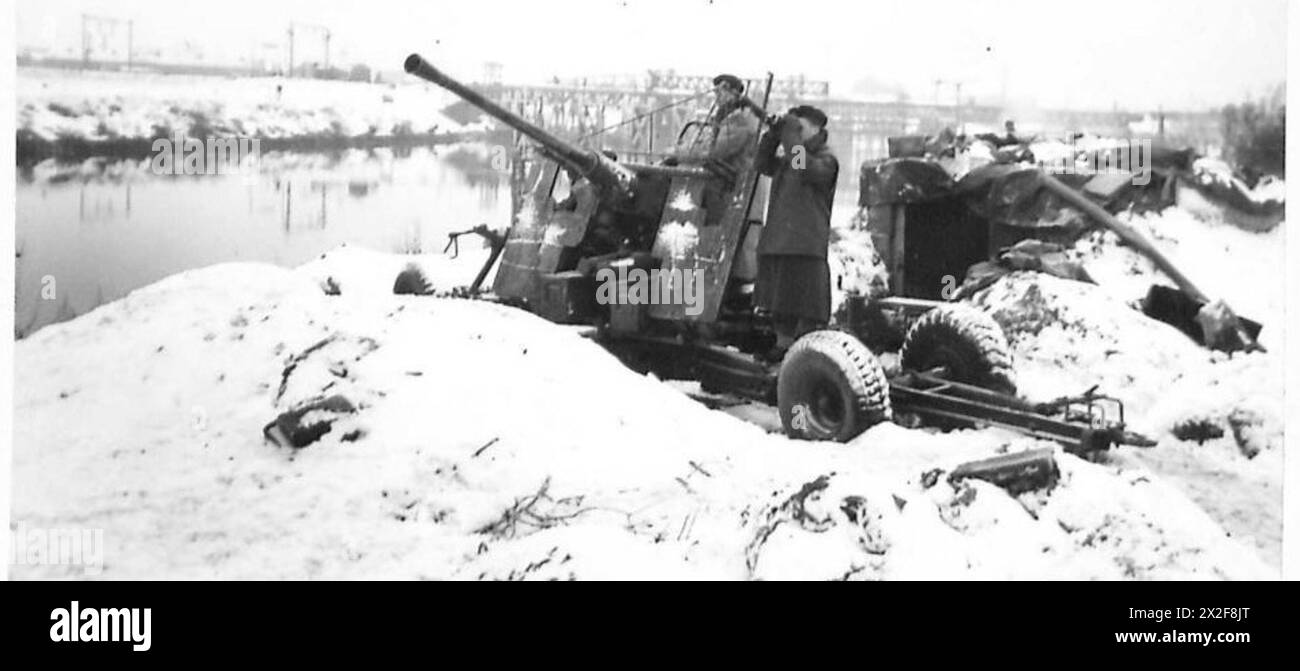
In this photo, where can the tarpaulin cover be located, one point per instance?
(1037, 255)
(1013, 195)
(1166, 157)
(903, 180)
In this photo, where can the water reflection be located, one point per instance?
(91, 232)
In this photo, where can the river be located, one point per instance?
(90, 233)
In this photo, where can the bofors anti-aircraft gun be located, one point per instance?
(569, 258)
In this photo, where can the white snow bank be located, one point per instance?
(1243, 268)
(1068, 336)
(1214, 170)
(856, 268)
(106, 105)
(1071, 335)
(496, 445)
(1240, 394)
(360, 271)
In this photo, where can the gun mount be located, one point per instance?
(658, 258)
(584, 211)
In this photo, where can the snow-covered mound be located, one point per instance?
(856, 268)
(489, 443)
(1217, 171)
(1068, 336)
(1071, 335)
(108, 105)
(1238, 476)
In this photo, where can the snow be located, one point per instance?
(105, 105)
(1068, 336)
(1241, 267)
(977, 154)
(1214, 170)
(856, 268)
(1055, 152)
(496, 445)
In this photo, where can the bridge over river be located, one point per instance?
(642, 117)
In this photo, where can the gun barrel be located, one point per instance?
(580, 158)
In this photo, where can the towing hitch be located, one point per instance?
(1082, 424)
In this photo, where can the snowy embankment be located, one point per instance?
(491, 444)
(53, 105)
(1068, 336)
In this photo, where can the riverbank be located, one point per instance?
(71, 115)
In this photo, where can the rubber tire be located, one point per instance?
(411, 281)
(838, 382)
(964, 340)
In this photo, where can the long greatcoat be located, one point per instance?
(793, 275)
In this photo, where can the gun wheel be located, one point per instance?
(831, 387)
(965, 343)
(412, 281)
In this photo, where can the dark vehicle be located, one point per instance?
(588, 220)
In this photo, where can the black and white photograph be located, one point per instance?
(621, 290)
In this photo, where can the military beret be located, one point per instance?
(810, 113)
(732, 81)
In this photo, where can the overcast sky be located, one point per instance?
(1138, 54)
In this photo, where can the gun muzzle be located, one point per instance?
(416, 65)
(596, 167)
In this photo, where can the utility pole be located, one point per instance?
(89, 21)
(325, 33)
(85, 44)
(957, 86)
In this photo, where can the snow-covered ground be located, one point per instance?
(106, 105)
(1269, 188)
(493, 444)
(1068, 336)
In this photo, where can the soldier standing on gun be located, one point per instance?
(730, 133)
(725, 145)
(794, 284)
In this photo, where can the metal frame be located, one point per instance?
(1081, 424)
(934, 398)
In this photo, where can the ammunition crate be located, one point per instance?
(626, 318)
(566, 298)
(901, 146)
